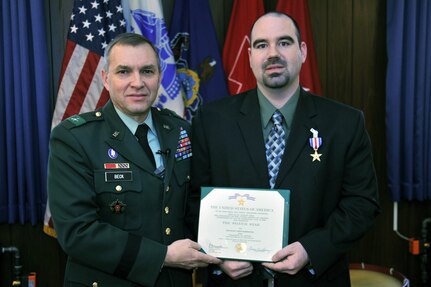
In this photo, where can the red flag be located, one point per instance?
(235, 53)
(298, 9)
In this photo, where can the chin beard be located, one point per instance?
(276, 81)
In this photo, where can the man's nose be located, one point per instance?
(137, 79)
(273, 51)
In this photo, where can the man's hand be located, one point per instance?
(290, 259)
(236, 269)
(185, 254)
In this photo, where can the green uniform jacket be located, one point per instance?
(114, 216)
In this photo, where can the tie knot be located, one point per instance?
(141, 134)
(142, 130)
(277, 118)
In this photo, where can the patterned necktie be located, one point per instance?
(275, 145)
(141, 134)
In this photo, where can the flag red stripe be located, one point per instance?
(70, 47)
(81, 88)
(104, 97)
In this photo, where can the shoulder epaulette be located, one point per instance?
(82, 119)
(170, 113)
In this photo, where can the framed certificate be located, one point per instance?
(243, 224)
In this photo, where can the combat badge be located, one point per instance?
(117, 206)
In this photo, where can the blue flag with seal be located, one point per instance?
(197, 56)
(146, 18)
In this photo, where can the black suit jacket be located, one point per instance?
(113, 215)
(333, 201)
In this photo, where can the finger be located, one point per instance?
(278, 267)
(281, 254)
(245, 272)
(240, 265)
(271, 266)
(194, 245)
(198, 255)
(210, 259)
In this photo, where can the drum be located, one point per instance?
(368, 275)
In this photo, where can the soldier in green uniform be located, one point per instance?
(122, 208)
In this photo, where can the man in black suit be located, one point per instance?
(122, 212)
(326, 164)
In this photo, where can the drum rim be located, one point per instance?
(385, 270)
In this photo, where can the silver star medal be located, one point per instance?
(315, 143)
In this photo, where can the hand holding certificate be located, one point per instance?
(243, 224)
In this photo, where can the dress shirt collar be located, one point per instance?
(132, 125)
(267, 109)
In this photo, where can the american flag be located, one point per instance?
(93, 25)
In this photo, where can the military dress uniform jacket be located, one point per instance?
(114, 216)
(333, 201)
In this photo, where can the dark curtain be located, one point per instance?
(24, 111)
(408, 99)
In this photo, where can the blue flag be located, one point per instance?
(146, 18)
(196, 50)
(408, 99)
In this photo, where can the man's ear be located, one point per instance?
(303, 51)
(105, 79)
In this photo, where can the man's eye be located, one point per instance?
(285, 43)
(260, 45)
(122, 72)
(147, 71)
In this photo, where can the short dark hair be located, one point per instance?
(281, 14)
(129, 39)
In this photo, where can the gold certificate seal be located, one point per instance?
(241, 247)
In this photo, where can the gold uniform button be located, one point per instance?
(94, 284)
(168, 231)
(166, 209)
(167, 188)
(188, 178)
(118, 188)
(98, 114)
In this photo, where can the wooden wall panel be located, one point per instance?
(368, 74)
(221, 12)
(319, 21)
(38, 253)
(58, 15)
(350, 43)
(5, 258)
(339, 50)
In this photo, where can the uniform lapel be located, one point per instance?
(299, 134)
(123, 141)
(168, 134)
(251, 128)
